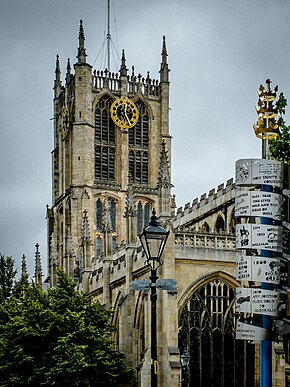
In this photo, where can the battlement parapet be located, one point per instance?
(135, 84)
(214, 196)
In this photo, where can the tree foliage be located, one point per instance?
(7, 277)
(280, 146)
(57, 338)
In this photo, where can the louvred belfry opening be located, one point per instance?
(104, 142)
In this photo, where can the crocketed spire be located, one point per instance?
(164, 50)
(68, 71)
(38, 268)
(57, 81)
(164, 70)
(123, 68)
(81, 49)
(164, 174)
(24, 273)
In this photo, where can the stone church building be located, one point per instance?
(111, 165)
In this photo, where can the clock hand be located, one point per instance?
(125, 113)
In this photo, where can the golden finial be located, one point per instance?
(266, 127)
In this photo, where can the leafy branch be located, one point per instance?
(280, 146)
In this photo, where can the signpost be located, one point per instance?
(260, 242)
(258, 301)
(162, 284)
(262, 234)
(251, 172)
(259, 236)
(253, 203)
(260, 269)
(250, 332)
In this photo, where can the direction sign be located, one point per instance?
(259, 236)
(258, 268)
(250, 332)
(162, 284)
(166, 284)
(258, 301)
(259, 171)
(256, 203)
(139, 285)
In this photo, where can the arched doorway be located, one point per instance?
(207, 336)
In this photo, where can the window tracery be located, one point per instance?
(207, 334)
(143, 215)
(104, 141)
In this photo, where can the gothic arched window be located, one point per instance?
(98, 246)
(114, 243)
(207, 335)
(113, 215)
(104, 141)
(146, 214)
(99, 207)
(205, 227)
(143, 215)
(139, 218)
(220, 224)
(232, 223)
(138, 147)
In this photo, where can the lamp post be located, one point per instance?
(153, 239)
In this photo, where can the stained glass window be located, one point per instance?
(207, 335)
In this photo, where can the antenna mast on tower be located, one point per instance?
(108, 42)
(108, 38)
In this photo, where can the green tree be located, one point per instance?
(280, 146)
(58, 338)
(7, 277)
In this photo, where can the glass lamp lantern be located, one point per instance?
(153, 239)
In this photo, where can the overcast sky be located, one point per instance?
(218, 52)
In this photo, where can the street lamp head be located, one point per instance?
(184, 359)
(153, 239)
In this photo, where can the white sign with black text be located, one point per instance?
(259, 171)
(257, 268)
(258, 301)
(255, 203)
(259, 236)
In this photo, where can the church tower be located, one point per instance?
(110, 163)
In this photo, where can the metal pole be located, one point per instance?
(153, 299)
(266, 345)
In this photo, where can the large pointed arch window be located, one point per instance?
(138, 148)
(207, 336)
(104, 142)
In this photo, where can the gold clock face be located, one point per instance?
(124, 113)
